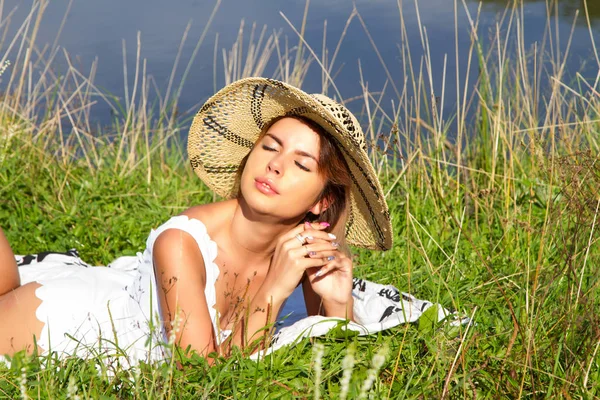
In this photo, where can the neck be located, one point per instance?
(256, 235)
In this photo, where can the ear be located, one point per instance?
(321, 205)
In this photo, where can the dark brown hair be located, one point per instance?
(332, 167)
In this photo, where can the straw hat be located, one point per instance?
(227, 126)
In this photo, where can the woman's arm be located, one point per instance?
(181, 279)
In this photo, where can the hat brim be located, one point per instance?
(225, 129)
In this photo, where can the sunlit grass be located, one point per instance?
(494, 212)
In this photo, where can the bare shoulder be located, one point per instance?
(176, 254)
(177, 244)
(212, 215)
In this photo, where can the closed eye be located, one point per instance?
(267, 148)
(302, 167)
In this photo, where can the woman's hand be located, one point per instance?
(333, 281)
(292, 258)
(328, 289)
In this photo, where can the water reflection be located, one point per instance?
(566, 8)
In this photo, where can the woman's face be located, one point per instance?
(281, 177)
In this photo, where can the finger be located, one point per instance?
(291, 234)
(309, 234)
(324, 270)
(299, 252)
(309, 264)
(313, 236)
(341, 264)
(324, 263)
(326, 254)
(329, 267)
(316, 226)
(298, 236)
(319, 226)
(322, 246)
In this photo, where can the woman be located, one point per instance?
(298, 185)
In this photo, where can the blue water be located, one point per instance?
(97, 30)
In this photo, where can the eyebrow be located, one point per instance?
(299, 152)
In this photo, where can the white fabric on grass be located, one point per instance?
(376, 308)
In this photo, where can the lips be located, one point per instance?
(266, 186)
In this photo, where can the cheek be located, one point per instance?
(250, 165)
(251, 159)
(308, 187)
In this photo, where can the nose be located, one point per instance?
(275, 166)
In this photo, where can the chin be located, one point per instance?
(273, 208)
(256, 201)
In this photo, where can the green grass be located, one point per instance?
(534, 333)
(494, 213)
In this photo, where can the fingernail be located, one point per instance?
(312, 253)
(330, 258)
(331, 235)
(309, 237)
(335, 244)
(319, 273)
(307, 224)
(325, 224)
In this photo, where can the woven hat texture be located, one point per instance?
(229, 123)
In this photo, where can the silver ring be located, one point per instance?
(300, 238)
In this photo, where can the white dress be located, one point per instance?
(91, 311)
